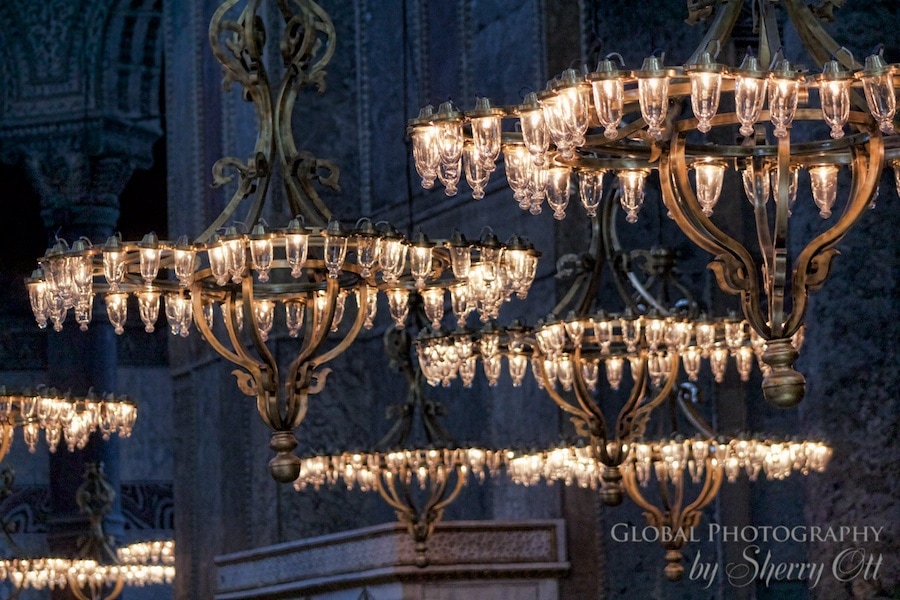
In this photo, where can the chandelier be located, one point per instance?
(62, 417)
(619, 125)
(139, 564)
(96, 572)
(239, 279)
(587, 360)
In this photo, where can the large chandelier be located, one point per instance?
(621, 125)
(61, 417)
(235, 283)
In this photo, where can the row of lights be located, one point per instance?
(563, 113)
(572, 465)
(485, 274)
(140, 564)
(613, 340)
(62, 416)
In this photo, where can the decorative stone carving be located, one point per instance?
(458, 551)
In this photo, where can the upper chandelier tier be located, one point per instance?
(701, 121)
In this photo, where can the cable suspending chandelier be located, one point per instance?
(309, 268)
(620, 123)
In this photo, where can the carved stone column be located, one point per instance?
(79, 113)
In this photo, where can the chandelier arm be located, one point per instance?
(612, 250)
(443, 500)
(769, 40)
(820, 45)
(117, 590)
(241, 60)
(386, 488)
(247, 297)
(238, 357)
(814, 262)
(632, 488)
(298, 52)
(776, 270)
(719, 31)
(556, 397)
(363, 292)
(694, 418)
(584, 396)
(733, 266)
(711, 485)
(318, 333)
(75, 589)
(632, 420)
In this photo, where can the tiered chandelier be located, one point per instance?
(624, 124)
(96, 571)
(61, 417)
(581, 359)
(140, 564)
(306, 270)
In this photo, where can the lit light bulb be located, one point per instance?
(756, 182)
(534, 130)
(784, 96)
(117, 310)
(449, 133)
(264, 311)
(558, 188)
(335, 248)
(518, 162)
(150, 255)
(518, 364)
(823, 180)
(749, 93)
(233, 253)
(614, 366)
(179, 314)
(878, 84)
(392, 256)
(420, 259)
(185, 258)
(426, 152)
(555, 119)
(366, 247)
(261, 251)
(590, 190)
(590, 372)
(631, 188)
(148, 305)
(296, 241)
(113, 262)
(485, 123)
(709, 177)
(398, 302)
(793, 180)
(459, 303)
(609, 96)
(690, 360)
(476, 175)
(834, 96)
(718, 360)
(653, 94)
(433, 299)
(706, 86)
(295, 311)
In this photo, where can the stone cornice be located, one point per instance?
(385, 553)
